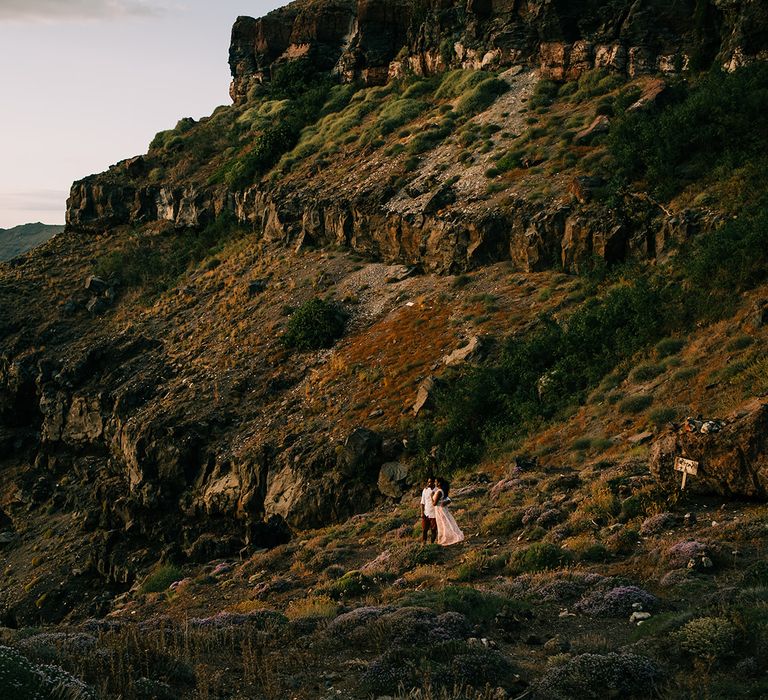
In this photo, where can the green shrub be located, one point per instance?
(727, 261)
(544, 94)
(646, 371)
(427, 139)
(635, 404)
(456, 83)
(314, 325)
(663, 415)
(538, 557)
(350, 585)
(683, 375)
(594, 553)
(398, 113)
(541, 373)
(428, 554)
(740, 342)
(707, 637)
(161, 578)
(669, 346)
(478, 564)
(582, 443)
(504, 523)
(155, 263)
(478, 606)
(482, 96)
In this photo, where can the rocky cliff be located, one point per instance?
(439, 227)
(376, 40)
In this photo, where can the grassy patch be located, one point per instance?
(161, 578)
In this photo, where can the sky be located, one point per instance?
(87, 83)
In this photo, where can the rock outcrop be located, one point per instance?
(732, 461)
(374, 40)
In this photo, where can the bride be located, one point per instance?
(448, 531)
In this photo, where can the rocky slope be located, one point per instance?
(379, 42)
(157, 427)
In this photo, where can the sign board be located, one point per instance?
(687, 466)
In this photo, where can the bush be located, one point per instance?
(350, 585)
(478, 606)
(707, 637)
(482, 96)
(669, 346)
(314, 325)
(538, 557)
(312, 607)
(728, 261)
(155, 263)
(635, 404)
(646, 371)
(266, 150)
(596, 676)
(662, 416)
(504, 523)
(160, 579)
(477, 564)
(616, 602)
(22, 680)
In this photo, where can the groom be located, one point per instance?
(428, 522)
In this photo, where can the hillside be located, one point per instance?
(19, 239)
(523, 248)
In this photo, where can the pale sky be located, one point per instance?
(86, 83)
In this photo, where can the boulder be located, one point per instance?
(653, 94)
(393, 479)
(424, 394)
(732, 461)
(96, 284)
(600, 125)
(361, 452)
(463, 353)
(759, 316)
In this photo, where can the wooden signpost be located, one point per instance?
(687, 466)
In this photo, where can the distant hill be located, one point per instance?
(19, 239)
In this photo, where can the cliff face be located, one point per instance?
(375, 40)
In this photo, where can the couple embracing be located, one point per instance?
(436, 519)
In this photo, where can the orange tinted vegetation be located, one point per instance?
(380, 369)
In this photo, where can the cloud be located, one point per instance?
(58, 10)
(38, 200)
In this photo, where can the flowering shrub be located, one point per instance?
(261, 619)
(616, 602)
(351, 584)
(46, 647)
(597, 676)
(357, 619)
(657, 523)
(539, 557)
(679, 554)
(20, 679)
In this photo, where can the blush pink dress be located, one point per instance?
(448, 531)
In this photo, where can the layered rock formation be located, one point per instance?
(374, 40)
